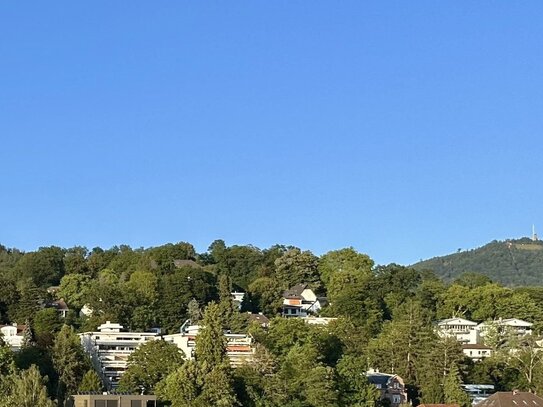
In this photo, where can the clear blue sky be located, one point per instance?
(404, 129)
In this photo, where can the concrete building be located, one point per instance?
(476, 351)
(513, 326)
(239, 347)
(95, 399)
(109, 349)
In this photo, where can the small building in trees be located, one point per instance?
(60, 305)
(13, 335)
(109, 349)
(391, 387)
(476, 351)
(300, 300)
(508, 326)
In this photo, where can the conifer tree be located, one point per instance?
(452, 391)
(211, 342)
(91, 382)
(193, 311)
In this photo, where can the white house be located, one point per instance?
(463, 330)
(300, 300)
(513, 326)
(13, 335)
(237, 298)
(476, 351)
(110, 347)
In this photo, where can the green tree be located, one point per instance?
(452, 391)
(355, 390)
(91, 382)
(69, 360)
(266, 295)
(46, 324)
(74, 289)
(181, 387)
(296, 266)
(193, 311)
(149, 364)
(211, 342)
(26, 389)
(343, 260)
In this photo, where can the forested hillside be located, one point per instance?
(383, 319)
(511, 262)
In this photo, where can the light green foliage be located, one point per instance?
(149, 364)
(296, 266)
(143, 285)
(344, 260)
(355, 390)
(193, 311)
(69, 360)
(181, 387)
(91, 382)
(211, 342)
(74, 289)
(25, 389)
(452, 392)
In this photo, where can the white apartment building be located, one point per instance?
(109, 349)
(513, 326)
(463, 330)
(239, 347)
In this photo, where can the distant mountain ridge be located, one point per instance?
(514, 262)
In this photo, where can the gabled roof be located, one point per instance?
(507, 322)
(260, 318)
(295, 292)
(512, 399)
(475, 346)
(458, 321)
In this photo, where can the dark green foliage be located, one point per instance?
(510, 262)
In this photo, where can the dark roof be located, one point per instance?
(379, 378)
(512, 399)
(323, 301)
(295, 292)
(59, 305)
(186, 263)
(475, 346)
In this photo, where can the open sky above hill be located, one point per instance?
(404, 129)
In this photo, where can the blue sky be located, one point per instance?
(404, 129)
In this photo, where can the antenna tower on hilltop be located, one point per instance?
(534, 235)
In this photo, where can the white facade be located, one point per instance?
(110, 347)
(311, 320)
(239, 347)
(13, 335)
(514, 326)
(463, 330)
(476, 351)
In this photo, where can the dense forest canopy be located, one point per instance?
(384, 314)
(511, 262)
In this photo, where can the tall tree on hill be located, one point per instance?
(211, 342)
(26, 389)
(348, 260)
(69, 360)
(296, 266)
(453, 393)
(91, 382)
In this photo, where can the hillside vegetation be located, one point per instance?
(511, 262)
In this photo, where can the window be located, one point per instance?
(85, 403)
(396, 399)
(99, 403)
(112, 403)
(151, 403)
(135, 403)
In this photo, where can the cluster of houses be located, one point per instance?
(110, 346)
(472, 335)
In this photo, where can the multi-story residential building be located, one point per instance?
(300, 300)
(463, 330)
(109, 349)
(13, 335)
(511, 326)
(237, 298)
(239, 347)
(391, 386)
